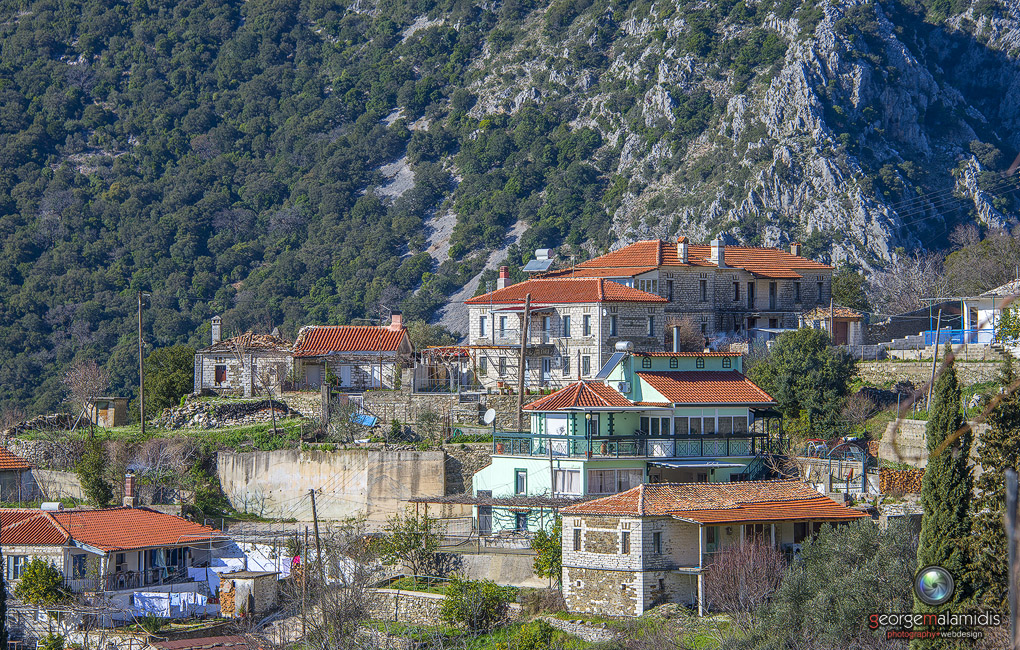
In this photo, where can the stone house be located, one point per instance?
(16, 481)
(646, 417)
(116, 550)
(844, 325)
(247, 593)
(626, 553)
(728, 290)
(573, 328)
(264, 358)
(353, 357)
(107, 411)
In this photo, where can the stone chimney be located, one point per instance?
(718, 253)
(795, 248)
(396, 320)
(681, 249)
(504, 277)
(216, 321)
(129, 489)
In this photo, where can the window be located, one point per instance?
(567, 481)
(611, 481)
(566, 365)
(695, 426)
(725, 425)
(655, 427)
(680, 426)
(773, 293)
(120, 562)
(651, 326)
(700, 363)
(727, 362)
(740, 425)
(821, 288)
(674, 362)
(657, 542)
(736, 292)
(704, 329)
(612, 325)
(481, 325)
(80, 566)
(546, 324)
(221, 374)
(15, 565)
(502, 325)
(502, 366)
(566, 326)
(669, 290)
(702, 478)
(709, 426)
(520, 481)
(625, 542)
(662, 585)
(577, 539)
(704, 290)
(646, 362)
(586, 325)
(710, 534)
(521, 522)
(750, 295)
(483, 366)
(585, 366)
(629, 478)
(800, 531)
(796, 291)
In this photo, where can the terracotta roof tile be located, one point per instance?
(642, 256)
(110, 529)
(565, 290)
(581, 394)
(742, 501)
(706, 387)
(11, 461)
(318, 340)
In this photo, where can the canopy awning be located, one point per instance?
(683, 464)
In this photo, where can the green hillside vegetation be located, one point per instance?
(225, 157)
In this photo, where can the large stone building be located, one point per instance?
(728, 290)
(573, 328)
(625, 553)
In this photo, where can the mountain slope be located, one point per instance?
(285, 162)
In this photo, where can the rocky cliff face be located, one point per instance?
(856, 126)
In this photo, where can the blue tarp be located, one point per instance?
(364, 419)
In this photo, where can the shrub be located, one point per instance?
(536, 635)
(90, 469)
(479, 605)
(52, 642)
(41, 584)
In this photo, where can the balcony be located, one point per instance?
(605, 447)
(127, 580)
(513, 337)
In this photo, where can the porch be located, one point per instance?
(637, 446)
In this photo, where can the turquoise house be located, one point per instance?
(647, 417)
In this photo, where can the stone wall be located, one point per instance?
(882, 372)
(462, 461)
(350, 482)
(415, 607)
(405, 407)
(906, 443)
(585, 632)
(905, 481)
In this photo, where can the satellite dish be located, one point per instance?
(490, 416)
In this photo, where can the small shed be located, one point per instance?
(108, 411)
(16, 482)
(244, 593)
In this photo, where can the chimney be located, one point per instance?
(681, 249)
(718, 253)
(396, 321)
(795, 248)
(504, 277)
(216, 329)
(129, 489)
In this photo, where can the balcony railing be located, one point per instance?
(528, 444)
(513, 337)
(127, 580)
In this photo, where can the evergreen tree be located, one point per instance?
(946, 488)
(91, 469)
(998, 450)
(3, 609)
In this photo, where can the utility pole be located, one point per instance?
(141, 368)
(304, 581)
(521, 367)
(1013, 535)
(318, 542)
(934, 360)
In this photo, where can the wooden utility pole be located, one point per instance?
(141, 368)
(521, 366)
(318, 541)
(934, 361)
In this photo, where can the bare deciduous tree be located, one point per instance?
(85, 381)
(742, 578)
(856, 410)
(687, 333)
(903, 285)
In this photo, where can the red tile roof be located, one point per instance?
(582, 394)
(565, 290)
(10, 461)
(745, 501)
(109, 529)
(319, 340)
(646, 255)
(706, 387)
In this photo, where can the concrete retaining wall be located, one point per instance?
(347, 483)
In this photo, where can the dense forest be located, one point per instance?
(227, 157)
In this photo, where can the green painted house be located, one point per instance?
(675, 417)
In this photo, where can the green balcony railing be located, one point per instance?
(532, 444)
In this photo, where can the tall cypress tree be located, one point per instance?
(998, 450)
(3, 607)
(945, 490)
